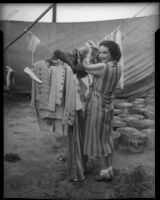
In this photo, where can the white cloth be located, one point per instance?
(117, 37)
(121, 62)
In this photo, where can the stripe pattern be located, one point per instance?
(75, 169)
(98, 139)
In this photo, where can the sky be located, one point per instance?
(76, 12)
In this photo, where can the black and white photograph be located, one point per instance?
(79, 100)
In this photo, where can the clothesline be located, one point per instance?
(119, 27)
(50, 50)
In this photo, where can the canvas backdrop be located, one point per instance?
(138, 44)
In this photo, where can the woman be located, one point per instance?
(98, 139)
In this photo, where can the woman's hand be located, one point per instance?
(91, 45)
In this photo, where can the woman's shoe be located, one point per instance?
(77, 180)
(105, 177)
(111, 171)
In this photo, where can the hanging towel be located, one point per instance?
(116, 36)
(121, 62)
(33, 42)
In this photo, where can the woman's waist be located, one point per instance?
(107, 95)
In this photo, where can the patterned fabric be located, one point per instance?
(70, 97)
(60, 84)
(64, 120)
(99, 108)
(53, 89)
(42, 90)
(56, 86)
(75, 149)
(83, 87)
(47, 96)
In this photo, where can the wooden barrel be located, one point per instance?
(150, 138)
(115, 118)
(118, 123)
(150, 112)
(127, 117)
(117, 111)
(137, 116)
(150, 115)
(140, 100)
(141, 123)
(127, 130)
(138, 110)
(139, 105)
(123, 116)
(150, 99)
(125, 106)
(124, 132)
(136, 142)
(132, 139)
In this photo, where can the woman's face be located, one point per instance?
(104, 54)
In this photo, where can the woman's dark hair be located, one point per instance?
(113, 48)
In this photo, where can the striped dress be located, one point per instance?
(98, 139)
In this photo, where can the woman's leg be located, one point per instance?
(85, 160)
(109, 160)
(106, 172)
(104, 162)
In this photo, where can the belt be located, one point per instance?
(107, 97)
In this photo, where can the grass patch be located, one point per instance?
(134, 184)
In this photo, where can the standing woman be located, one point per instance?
(99, 107)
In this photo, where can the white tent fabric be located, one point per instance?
(138, 48)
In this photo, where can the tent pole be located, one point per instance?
(27, 29)
(54, 12)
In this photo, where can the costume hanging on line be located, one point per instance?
(47, 98)
(57, 104)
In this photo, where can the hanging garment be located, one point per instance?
(47, 97)
(73, 126)
(70, 97)
(84, 87)
(75, 169)
(121, 62)
(117, 37)
(63, 114)
(56, 86)
(9, 82)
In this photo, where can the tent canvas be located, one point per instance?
(138, 48)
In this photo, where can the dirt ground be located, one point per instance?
(38, 174)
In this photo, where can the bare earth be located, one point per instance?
(38, 173)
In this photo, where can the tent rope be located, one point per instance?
(26, 30)
(118, 28)
(44, 44)
(124, 24)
